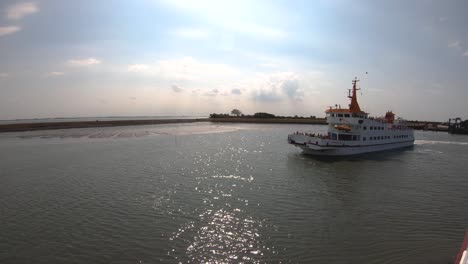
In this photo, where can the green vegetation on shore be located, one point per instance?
(235, 114)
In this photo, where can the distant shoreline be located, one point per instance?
(309, 121)
(113, 123)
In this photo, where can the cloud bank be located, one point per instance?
(84, 62)
(8, 30)
(18, 11)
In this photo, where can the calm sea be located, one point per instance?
(228, 193)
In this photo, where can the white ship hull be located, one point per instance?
(351, 131)
(351, 150)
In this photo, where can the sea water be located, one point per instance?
(229, 193)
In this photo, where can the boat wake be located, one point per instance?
(424, 142)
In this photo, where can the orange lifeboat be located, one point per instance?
(343, 128)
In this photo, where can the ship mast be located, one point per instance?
(354, 106)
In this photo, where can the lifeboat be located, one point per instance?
(343, 128)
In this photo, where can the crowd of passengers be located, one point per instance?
(311, 135)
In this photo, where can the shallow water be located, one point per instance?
(225, 194)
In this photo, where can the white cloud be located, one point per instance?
(190, 33)
(236, 91)
(4, 75)
(84, 62)
(8, 30)
(138, 68)
(277, 87)
(18, 11)
(455, 45)
(213, 92)
(55, 74)
(190, 69)
(177, 89)
(465, 54)
(184, 69)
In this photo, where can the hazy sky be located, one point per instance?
(146, 57)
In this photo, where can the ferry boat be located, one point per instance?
(352, 131)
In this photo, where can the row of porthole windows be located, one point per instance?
(374, 128)
(379, 138)
(385, 137)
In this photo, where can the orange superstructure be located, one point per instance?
(353, 106)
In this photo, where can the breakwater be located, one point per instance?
(97, 123)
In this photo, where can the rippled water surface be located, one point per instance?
(194, 193)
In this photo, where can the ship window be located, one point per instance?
(364, 138)
(340, 115)
(333, 115)
(364, 128)
(346, 115)
(344, 137)
(371, 128)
